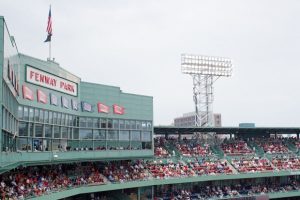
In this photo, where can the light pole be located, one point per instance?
(205, 70)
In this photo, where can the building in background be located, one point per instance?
(189, 120)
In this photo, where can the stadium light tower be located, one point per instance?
(205, 70)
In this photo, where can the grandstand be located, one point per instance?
(63, 138)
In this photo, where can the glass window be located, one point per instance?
(56, 132)
(103, 123)
(71, 120)
(26, 114)
(149, 125)
(36, 114)
(75, 133)
(22, 144)
(50, 117)
(132, 124)
(82, 122)
(146, 136)
(3, 119)
(64, 132)
(58, 118)
(95, 122)
(29, 144)
(89, 122)
(144, 125)
(41, 115)
(20, 112)
(38, 130)
(127, 124)
(63, 119)
(85, 134)
(112, 135)
(55, 145)
(31, 129)
(99, 134)
(124, 135)
(67, 120)
(63, 144)
(135, 135)
(31, 114)
(109, 123)
(23, 129)
(48, 131)
(47, 144)
(76, 121)
(122, 124)
(54, 117)
(46, 116)
(116, 124)
(138, 125)
(70, 133)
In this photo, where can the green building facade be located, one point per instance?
(49, 115)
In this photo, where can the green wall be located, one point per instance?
(1, 69)
(136, 106)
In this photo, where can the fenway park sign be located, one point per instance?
(44, 79)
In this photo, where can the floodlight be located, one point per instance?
(205, 70)
(194, 64)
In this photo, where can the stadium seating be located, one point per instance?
(252, 164)
(272, 145)
(236, 147)
(286, 162)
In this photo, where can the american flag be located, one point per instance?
(49, 27)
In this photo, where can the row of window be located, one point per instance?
(46, 144)
(9, 121)
(58, 118)
(52, 131)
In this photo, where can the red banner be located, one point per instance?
(27, 93)
(41, 96)
(102, 108)
(118, 109)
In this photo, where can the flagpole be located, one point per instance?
(50, 39)
(50, 50)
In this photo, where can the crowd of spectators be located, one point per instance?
(35, 181)
(272, 145)
(159, 148)
(126, 171)
(228, 191)
(191, 148)
(170, 169)
(235, 147)
(210, 167)
(198, 160)
(252, 164)
(286, 162)
(295, 141)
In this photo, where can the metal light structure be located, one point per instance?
(205, 70)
